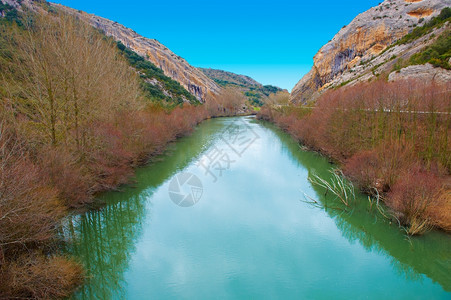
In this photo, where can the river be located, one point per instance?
(223, 214)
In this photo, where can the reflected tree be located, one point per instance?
(428, 254)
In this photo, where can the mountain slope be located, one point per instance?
(173, 66)
(253, 90)
(355, 48)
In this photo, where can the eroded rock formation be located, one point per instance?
(369, 34)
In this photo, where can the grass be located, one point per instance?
(338, 185)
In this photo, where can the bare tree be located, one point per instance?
(227, 103)
(66, 76)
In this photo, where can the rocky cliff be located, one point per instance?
(357, 51)
(173, 66)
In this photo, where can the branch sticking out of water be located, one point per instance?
(311, 201)
(338, 185)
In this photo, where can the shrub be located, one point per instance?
(67, 175)
(437, 53)
(30, 214)
(412, 197)
(380, 167)
(381, 132)
(39, 277)
(29, 208)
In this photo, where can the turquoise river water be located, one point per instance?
(223, 214)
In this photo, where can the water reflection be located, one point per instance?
(429, 254)
(141, 233)
(104, 239)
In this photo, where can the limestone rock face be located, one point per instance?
(365, 37)
(13, 3)
(425, 72)
(192, 79)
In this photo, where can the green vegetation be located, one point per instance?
(10, 14)
(399, 64)
(345, 83)
(256, 93)
(254, 98)
(223, 83)
(443, 17)
(270, 89)
(437, 54)
(175, 93)
(374, 68)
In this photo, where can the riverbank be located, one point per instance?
(384, 145)
(41, 191)
(74, 122)
(141, 242)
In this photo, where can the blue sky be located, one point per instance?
(272, 41)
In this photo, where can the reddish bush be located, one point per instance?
(29, 208)
(30, 213)
(413, 196)
(439, 211)
(107, 160)
(36, 276)
(380, 167)
(381, 131)
(363, 169)
(67, 175)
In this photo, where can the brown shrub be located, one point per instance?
(108, 161)
(227, 103)
(439, 212)
(30, 213)
(29, 208)
(63, 170)
(413, 196)
(39, 277)
(362, 168)
(380, 167)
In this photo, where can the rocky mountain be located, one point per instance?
(173, 66)
(253, 90)
(367, 47)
